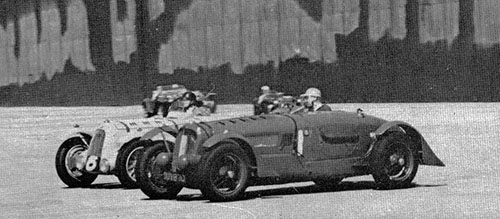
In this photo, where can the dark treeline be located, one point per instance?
(387, 70)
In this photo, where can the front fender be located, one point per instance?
(83, 135)
(214, 140)
(428, 157)
(172, 131)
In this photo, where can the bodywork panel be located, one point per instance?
(300, 145)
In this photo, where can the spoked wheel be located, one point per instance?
(226, 173)
(152, 163)
(70, 162)
(395, 164)
(126, 163)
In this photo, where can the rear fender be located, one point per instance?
(427, 156)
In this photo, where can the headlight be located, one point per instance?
(187, 142)
(187, 155)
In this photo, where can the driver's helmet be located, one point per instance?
(265, 89)
(312, 92)
(198, 94)
(189, 96)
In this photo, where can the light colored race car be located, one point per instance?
(110, 149)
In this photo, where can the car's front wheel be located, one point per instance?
(70, 162)
(149, 172)
(126, 162)
(395, 161)
(226, 173)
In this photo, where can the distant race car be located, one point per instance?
(207, 98)
(170, 94)
(222, 158)
(174, 92)
(110, 149)
(275, 102)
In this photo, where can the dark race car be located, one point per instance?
(275, 102)
(222, 158)
(171, 95)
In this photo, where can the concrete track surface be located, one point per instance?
(464, 135)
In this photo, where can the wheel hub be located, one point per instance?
(397, 159)
(401, 161)
(223, 171)
(75, 161)
(231, 174)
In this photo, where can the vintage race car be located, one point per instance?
(207, 98)
(173, 93)
(113, 148)
(110, 149)
(275, 102)
(222, 158)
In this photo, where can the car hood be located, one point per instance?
(253, 125)
(287, 123)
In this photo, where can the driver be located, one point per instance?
(192, 106)
(312, 101)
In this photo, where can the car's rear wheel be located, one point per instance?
(149, 172)
(126, 163)
(256, 109)
(395, 161)
(70, 163)
(226, 173)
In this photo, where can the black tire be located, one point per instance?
(395, 161)
(257, 110)
(329, 183)
(65, 164)
(126, 162)
(164, 109)
(226, 173)
(148, 174)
